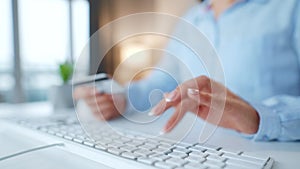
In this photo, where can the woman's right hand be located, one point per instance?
(104, 106)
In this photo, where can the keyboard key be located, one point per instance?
(216, 158)
(191, 165)
(232, 151)
(245, 164)
(256, 155)
(198, 154)
(147, 147)
(115, 145)
(164, 146)
(68, 137)
(59, 134)
(161, 150)
(152, 143)
(130, 136)
(88, 143)
(125, 139)
(213, 152)
(100, 147)
(114, 136)
(234, 166)
(114, 150)
(200, 149)
(164, 165)
(212, 163)
(119, 141)
(180, 149)
(129, 148)
(80, 137)
(143, 152)
(134, 143)
(165, 142)
(209, 147)
(129, 155)
(104, 141)
(182, 145)
(195, 159)
(177, 154)
(159, 157)
(176, 161)
(71, 134)
(244, 158)
(145, 160)
(77, 140)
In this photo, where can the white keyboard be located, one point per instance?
(155, 152)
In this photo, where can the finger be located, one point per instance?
(180, 93)
(201, 83)
(99, 99)
(166, 103)
(106, 106)
(83, 92)
(201, 98)
(103, 114)
(172, 96)
(110, 116)
(104, 99)
(161, 107)
(110, 113)
(181, 109)
(201, 111)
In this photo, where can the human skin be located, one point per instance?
(104, 106)
(196, 96)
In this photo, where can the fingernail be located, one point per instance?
(193, 91)
(151, 113)
(170, 97)
(163, 132)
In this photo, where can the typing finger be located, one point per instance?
(180, 110)
(201, 98)
(161, 107)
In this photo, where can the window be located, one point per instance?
(45, 42)
(6, 50)
(80, 32)
(80, 25)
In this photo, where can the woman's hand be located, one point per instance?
(104, 106)
(196, 95)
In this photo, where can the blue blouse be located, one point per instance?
(258, 42)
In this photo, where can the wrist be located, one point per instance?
(250, 123)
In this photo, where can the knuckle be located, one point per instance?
(205, 97)
(204, 78)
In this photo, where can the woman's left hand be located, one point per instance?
(196, 95)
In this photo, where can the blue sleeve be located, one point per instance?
(296, 36)
(279, 119)
(280, 116)
(165, 77)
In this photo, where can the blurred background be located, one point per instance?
(39, 35)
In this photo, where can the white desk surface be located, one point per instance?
(285, 154)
